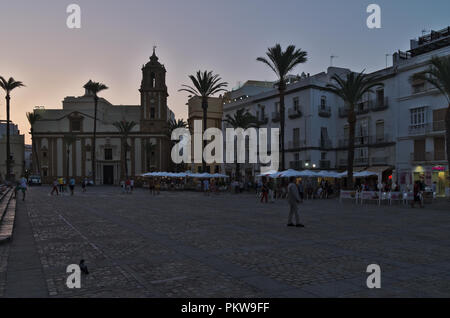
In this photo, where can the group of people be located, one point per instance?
(127, 186)
(59, 186)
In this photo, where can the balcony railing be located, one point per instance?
(428, 156)
(379, 104)
(419, 129)
(324, 111)
(294, 113)
(356, 162)
(380, 160)
(263, 120)
(325, 143)
(296, 165)
(364, 161)
(362, 108)
(295, 144)
(359, 141)
(439, 125)
(379, 139)
(275, 117)
(324, 164)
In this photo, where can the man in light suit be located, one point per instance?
(294, 200)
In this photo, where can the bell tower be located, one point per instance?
(153, 94)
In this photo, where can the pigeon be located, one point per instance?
(83, 267)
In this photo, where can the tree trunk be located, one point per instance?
(8, 144)
(281, 89)
(67, 162)
(447, 137)
(205, 121)
(125, 151)
(93, 150)
(351, 146)
(35, 157)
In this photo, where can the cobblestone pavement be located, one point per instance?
(185, 244)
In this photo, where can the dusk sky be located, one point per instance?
(116, 39)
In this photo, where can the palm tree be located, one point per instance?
(69, 139)
(352, 89)
(32, 119)
(241, 119)
(94, 88)
(438, 75)
(282, 63)
(174, 124)
(125, 127)
(205, 85)
(8, 86)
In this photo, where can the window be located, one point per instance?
(153, 79)
(152, 112)
(380, 97)
(277, 107)
(379, 130)
(76, 125)
(108, 154)
(296, 103)
(418, 116)
(44, 154)
(297, 157)
(323, 156)
(323, 102)
(45, 172)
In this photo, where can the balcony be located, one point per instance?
(363, 161)
(324, 111)
(439, 125)
(379, 104)
(380, 161)
(362, 108)
(263, 120)
(296, 144)
(356, 162)
(324, 164)
(296, 165)
(419, 129)
(294, 113)
(275, 117)
(428, 156)
(374, 140)
(325, 143)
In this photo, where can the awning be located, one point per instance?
(378, 169)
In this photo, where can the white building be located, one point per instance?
(400, 130)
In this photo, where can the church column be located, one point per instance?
(132, 157)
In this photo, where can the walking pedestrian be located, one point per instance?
(72, 185)
(23, 187)
(83, 185)
(294, 200)
(55, 187)
(265, 191)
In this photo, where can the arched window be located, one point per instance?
(153, 79)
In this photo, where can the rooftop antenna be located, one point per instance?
(331, 59)
(387, 55)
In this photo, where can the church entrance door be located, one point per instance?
(108, 174)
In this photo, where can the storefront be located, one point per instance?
(432, 175)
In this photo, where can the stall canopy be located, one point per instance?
(184, 175)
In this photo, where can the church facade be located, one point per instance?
(63, 137)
